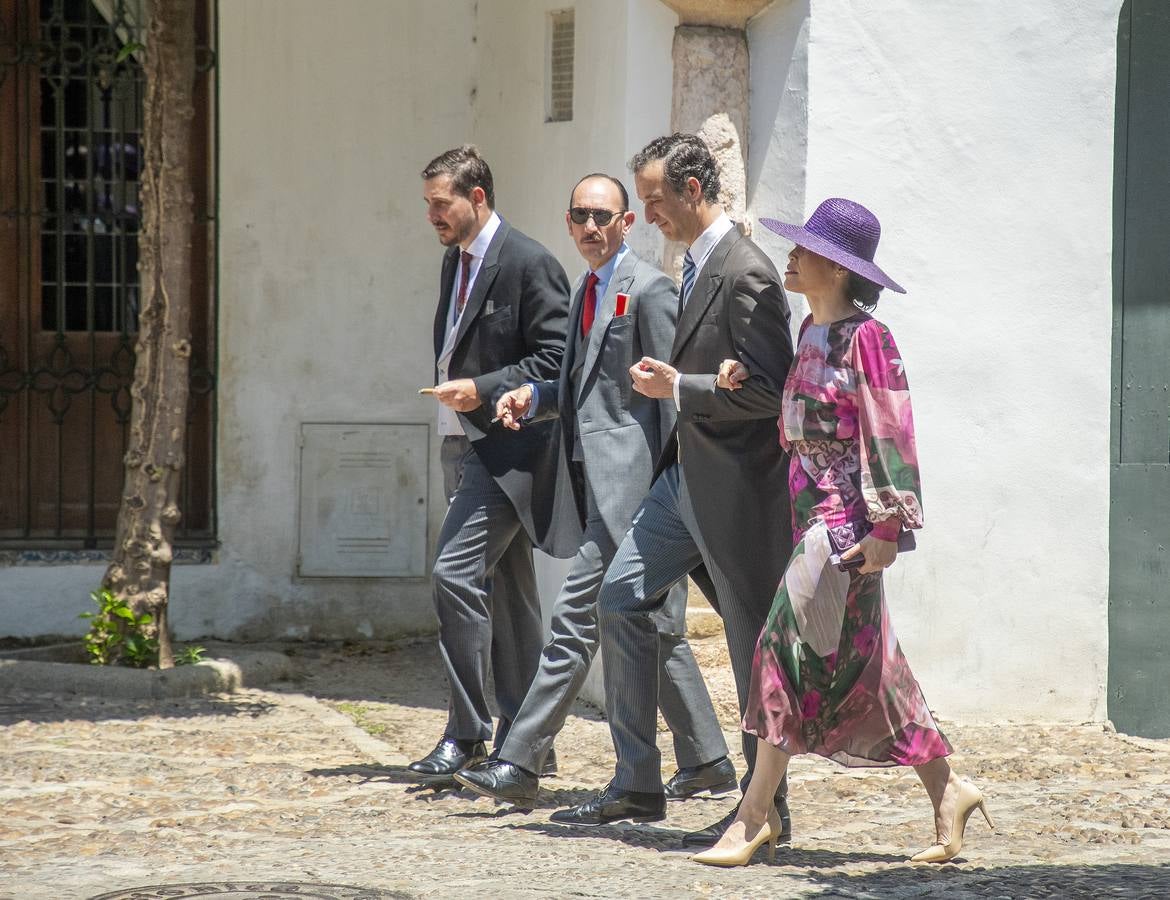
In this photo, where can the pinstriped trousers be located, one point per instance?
(484, 588)
(662, 545)
(565, 660)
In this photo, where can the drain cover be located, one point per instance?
(252, 890)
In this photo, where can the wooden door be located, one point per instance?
(70, 120)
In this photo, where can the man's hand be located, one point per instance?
(878, 554)
(513, 406)
(461, 394)
(653, 378)
(732, 374)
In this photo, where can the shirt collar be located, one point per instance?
(605, 273)
(479, 246)
(711, 236)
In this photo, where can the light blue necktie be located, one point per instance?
(688, 278)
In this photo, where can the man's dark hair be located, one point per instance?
(621, 188)
(683, 156)
(467, 170)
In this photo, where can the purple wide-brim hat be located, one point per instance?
(843, 231)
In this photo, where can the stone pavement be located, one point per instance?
(305, 784)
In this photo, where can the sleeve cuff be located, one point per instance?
(887, 529)
(534, 405)
(677, 401)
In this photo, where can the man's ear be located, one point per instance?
(478, 196)
(628, 219)
(569, 224)
(694, 189)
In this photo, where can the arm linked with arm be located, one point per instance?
(758, 318)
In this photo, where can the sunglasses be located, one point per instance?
(580, 215)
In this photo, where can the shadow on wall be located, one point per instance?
(778, 108)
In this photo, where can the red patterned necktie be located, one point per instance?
(590, 308)
(464, 279)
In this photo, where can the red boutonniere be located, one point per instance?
(622, 301)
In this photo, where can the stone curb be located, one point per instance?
(247, 668)
(341, 725)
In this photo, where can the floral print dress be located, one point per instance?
(829, 676)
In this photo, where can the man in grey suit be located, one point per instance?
(720, 496)
(623, 308)
(501, 320)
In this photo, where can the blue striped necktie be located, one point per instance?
(688, 278)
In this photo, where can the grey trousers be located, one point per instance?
(663, 544)
(485, 594)
(565, 661)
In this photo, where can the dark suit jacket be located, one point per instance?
(513, 331)
(735, 471)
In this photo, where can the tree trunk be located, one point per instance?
(140, 571)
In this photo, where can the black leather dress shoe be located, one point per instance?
(501, 780)
(612, 805)
(709, 836)
(548, 770)
(449, 756)
(716, 777)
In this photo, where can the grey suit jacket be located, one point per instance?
(621, 432)
(736, 473)
(511, 332)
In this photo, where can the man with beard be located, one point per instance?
(501, 320)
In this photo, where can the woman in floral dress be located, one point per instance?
(829, 676)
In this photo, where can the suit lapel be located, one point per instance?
(488, 270)
(619, 283)
(570, 357)
(703, 293)
(446, 283)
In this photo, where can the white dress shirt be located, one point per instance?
(700, 252)
(448, 419)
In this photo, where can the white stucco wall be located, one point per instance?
(621, 100)
(329, 272)
(327, 289)
(622, 93)
(778, 123)
(328, 276)
(982, 136)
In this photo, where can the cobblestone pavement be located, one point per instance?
(306, 783)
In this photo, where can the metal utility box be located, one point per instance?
(363, 509)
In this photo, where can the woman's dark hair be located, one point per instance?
(863, 292)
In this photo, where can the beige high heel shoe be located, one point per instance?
(741, 856)
(970, 799)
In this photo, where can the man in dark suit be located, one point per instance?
(501, 320)
(623, 309)
(720, 496)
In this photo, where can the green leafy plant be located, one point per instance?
(128, 50)
(189, 656)
(116, 633)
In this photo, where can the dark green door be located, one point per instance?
(1139, 527)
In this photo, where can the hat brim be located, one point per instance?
(863, 267)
